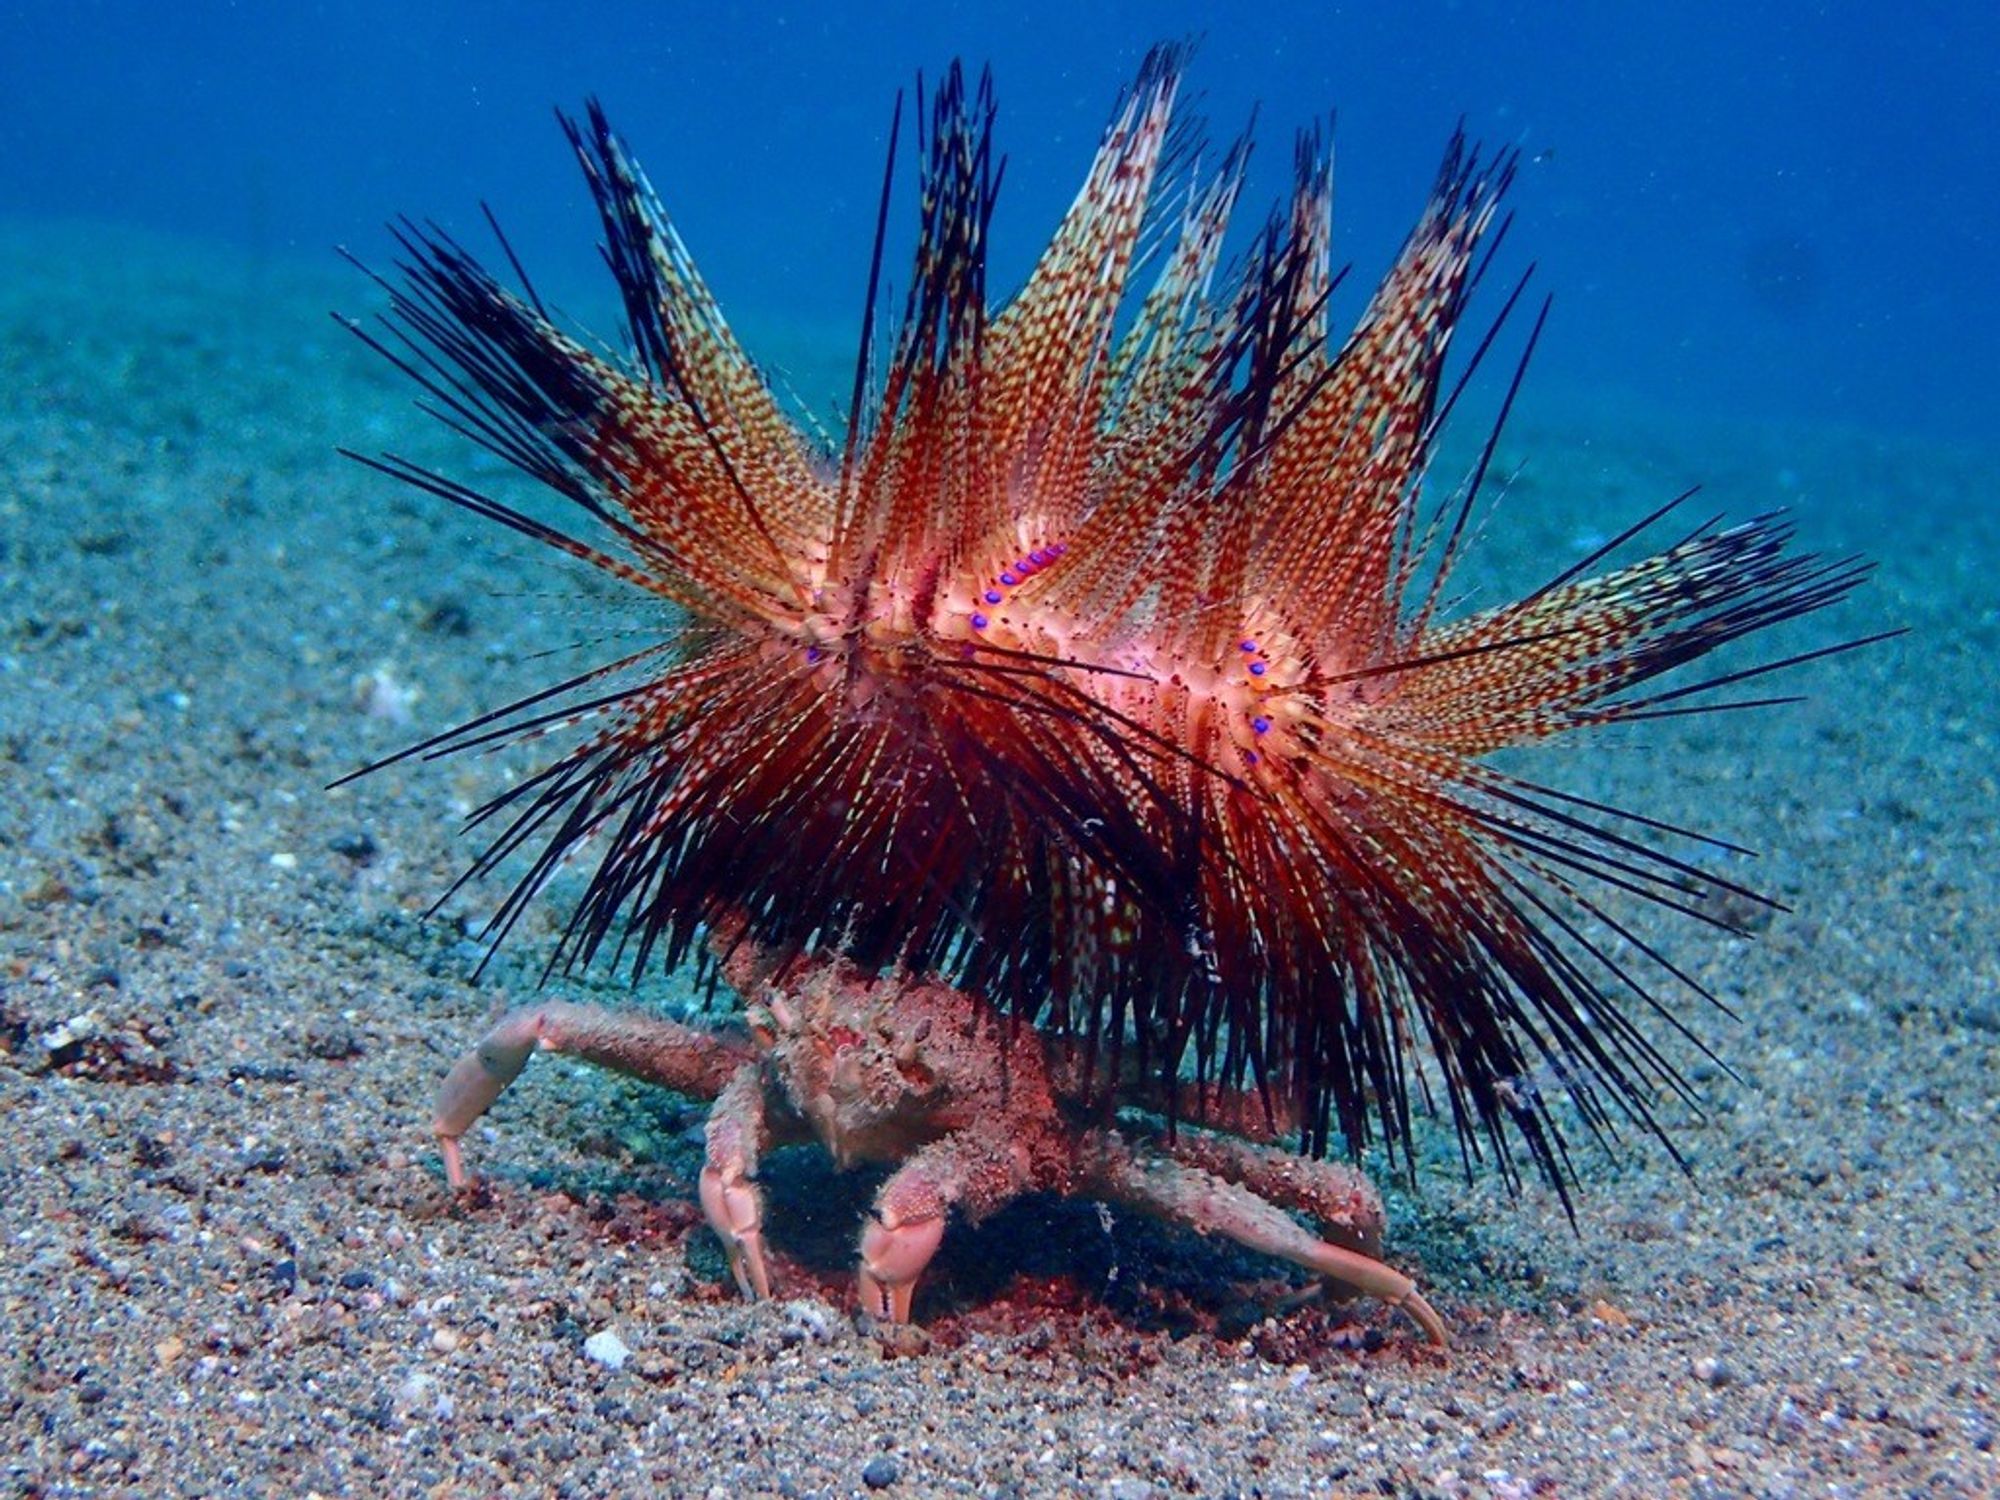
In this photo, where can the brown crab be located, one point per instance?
(974, 1110)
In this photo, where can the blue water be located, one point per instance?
(1779, 212)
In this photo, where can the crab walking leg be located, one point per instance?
(1209, 1205)
(646, 1047)
(975, 1173)
(1336, 1197)
(738, 1131)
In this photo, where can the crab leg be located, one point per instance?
(1336, 1197)
(1210, 1205)
(646, 1047)
(975, 1174)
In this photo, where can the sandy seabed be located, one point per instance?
(231, 1263)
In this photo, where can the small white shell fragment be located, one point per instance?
(607, 1348)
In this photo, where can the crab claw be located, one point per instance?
(729, 1196)
(893, 1255)
(736, 1214)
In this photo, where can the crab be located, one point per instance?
(973, 1109)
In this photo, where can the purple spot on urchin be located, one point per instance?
(1246, 646)
(1261, 724)
(1009, 579)
(1057, 549)
(814, 654)
(1249, 757)
(994, 596)
(1041, 557)
(1258, 669)
(979, 622)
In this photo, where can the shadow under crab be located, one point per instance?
(971, 1110)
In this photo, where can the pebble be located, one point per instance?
(1982, 1015)
(607, 1348)
(332, 1041)
(355, 844)
(809, 1319)
(1610, 1314)
(78, 1028)
(882, 1471)
(1711, 1370)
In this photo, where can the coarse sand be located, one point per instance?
(231, 1264)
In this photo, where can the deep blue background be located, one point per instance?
(1779, 210)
